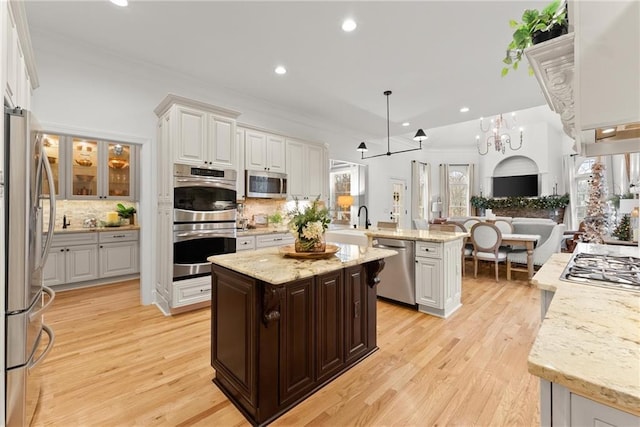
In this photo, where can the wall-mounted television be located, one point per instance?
(517, 185)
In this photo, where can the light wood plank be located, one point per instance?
(119, 363)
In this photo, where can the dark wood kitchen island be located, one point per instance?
(282, 328)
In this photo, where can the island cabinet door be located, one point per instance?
(355, 313)
(330, 324)
(297, 344)
(233, 337)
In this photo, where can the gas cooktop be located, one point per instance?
(611, 271)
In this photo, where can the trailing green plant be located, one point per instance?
(124, 212)
(544, 202)
(532, 21)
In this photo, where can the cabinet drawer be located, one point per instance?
(429, 249)
(191, 291)
(71, 239)
(245, 243)
(277, 239)
(117, 236)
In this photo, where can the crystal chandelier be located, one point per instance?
(497, 136)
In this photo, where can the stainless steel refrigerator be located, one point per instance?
(28, 339)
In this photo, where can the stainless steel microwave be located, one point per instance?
(266, 185)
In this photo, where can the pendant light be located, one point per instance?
(420, 136)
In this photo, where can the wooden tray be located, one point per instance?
(290, 251)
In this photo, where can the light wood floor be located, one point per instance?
(117, 363)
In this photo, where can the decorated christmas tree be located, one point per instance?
(595, 221)
(623, 230)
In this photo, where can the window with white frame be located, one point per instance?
(459, 193)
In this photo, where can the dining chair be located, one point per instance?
(467, 247)
(449, 228)
(387, 224)
(470, 223)
(486, 239)
(504, 226)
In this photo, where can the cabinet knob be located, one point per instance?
(67, 249)
(101, 247)
(62, 250)
(426, 250)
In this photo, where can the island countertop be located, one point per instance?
(270, 266)
(417, 235)
(589, 340)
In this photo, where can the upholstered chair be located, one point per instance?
(486, 239)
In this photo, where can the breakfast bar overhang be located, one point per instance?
(282, 328)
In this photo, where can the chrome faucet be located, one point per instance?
(366, 216)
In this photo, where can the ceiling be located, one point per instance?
(436, 56)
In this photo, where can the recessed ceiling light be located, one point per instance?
(464, 109)
(280, 70)
(121, 3)
(349, 25)
(405, 124)
(608, 130)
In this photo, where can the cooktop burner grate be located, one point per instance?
(621, 272)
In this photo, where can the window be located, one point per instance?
(346, 191)
(458, 193)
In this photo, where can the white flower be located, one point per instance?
(313, 230)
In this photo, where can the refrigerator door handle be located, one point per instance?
(52, 295)
(52, 206)
(52, 338)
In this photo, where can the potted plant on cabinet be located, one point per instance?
(126, 213)
(536, 27)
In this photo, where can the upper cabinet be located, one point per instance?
(84, 168)
(200, 134)
(307, 170)
(17, 57)
(264, 151)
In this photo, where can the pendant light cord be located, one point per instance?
(388, 134)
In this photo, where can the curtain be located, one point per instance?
(420, 191)
(569, 177)
(444, 189)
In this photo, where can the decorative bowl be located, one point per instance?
(84, 162)
(117, 163)
(85, 178)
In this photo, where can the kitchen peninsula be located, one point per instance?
(587, 351)
(281, 328)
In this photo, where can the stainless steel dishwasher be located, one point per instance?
(397, 278)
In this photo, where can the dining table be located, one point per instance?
(528, 241)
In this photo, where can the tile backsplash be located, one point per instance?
(79, 210)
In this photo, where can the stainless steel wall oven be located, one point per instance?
(204, 218)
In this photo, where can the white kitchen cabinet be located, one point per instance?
(274, 239)
(240, 178)
(245, 243)
(191, 291)
(307, 169)
(17, 57)
(73, 257)
(607, 80)
(264, 151)
(562, 407)
(118, 253)
(197, 134)
(164, 252)
(438, 277)
(100, 169)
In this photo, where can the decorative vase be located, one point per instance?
(132, 219)
(307, 245)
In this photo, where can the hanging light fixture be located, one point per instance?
(420, 136)
(497, 135)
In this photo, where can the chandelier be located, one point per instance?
(497, 136)
(420, 136)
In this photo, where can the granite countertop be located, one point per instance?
(417, 235)
(589, 340)
(270, 266)
(260, 231)
(94, 229)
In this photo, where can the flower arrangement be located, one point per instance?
(308, 225)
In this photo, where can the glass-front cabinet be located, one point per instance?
(55, 151)
(102, 169)
(89, 169)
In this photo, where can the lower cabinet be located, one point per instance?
(191, 291)
(438, 277)
(561, 407)
(305, 332)
(273, 239)
(88, 256)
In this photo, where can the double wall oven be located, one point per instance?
(204, 218)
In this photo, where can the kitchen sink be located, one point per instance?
(352, 237)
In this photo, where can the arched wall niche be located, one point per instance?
(516, 165)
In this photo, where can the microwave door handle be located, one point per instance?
(52, 207)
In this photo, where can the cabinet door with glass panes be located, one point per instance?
(55, 148)
(101, 170)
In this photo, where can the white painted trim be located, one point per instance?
(93, 133)
(22, 26)
(171, 99)
(246, 126)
